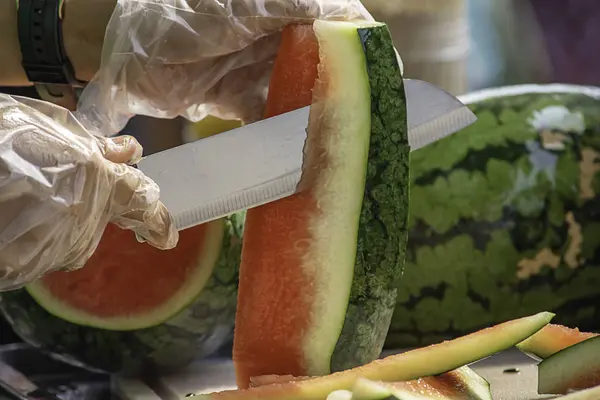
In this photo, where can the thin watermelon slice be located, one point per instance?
(551, 339)
(319, 271)
(460, 384)
(586, 394)
(576, 367)
(427, 361)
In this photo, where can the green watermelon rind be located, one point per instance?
(196, 331)
(455, 282)
(586, 394)
(575, 365)
(382, 230)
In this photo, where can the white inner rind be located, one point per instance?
(207, 259)
(341, 113)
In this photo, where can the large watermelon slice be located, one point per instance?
(134, 306)
(504, 217)
(320, 269)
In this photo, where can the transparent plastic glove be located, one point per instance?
(191, 58)
(60, 186)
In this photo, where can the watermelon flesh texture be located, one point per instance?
(320, 268)
(503, 218)
(85, 330)
(551, 339)
(428, 361)
(576, 367)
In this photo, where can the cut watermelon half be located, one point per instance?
(576, 367)
(133, 307)
(123, 288)
(320, 269)
(428, 361)
(552, 339)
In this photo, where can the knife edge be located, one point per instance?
(257, 195)
(436, 129)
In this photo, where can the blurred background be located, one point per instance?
(459, 45)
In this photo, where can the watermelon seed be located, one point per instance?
(511, 371)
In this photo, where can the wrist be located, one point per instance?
(11, 71)
(83, 25)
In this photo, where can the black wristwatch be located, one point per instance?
(44, 59)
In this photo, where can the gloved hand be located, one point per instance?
(60, 186)
(191, 58)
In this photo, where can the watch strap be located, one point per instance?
(43, 55)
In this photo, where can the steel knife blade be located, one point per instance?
(261, 162)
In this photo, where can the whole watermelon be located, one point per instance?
(505, 217)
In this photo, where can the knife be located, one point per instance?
(262, 162)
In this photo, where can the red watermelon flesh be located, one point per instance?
(128, 285)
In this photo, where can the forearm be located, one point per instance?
(84, 23)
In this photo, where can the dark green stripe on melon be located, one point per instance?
(196, 331)
(382, 233)
(504, 221)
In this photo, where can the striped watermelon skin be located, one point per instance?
(505, 217)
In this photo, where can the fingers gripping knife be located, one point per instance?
(264, 159)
